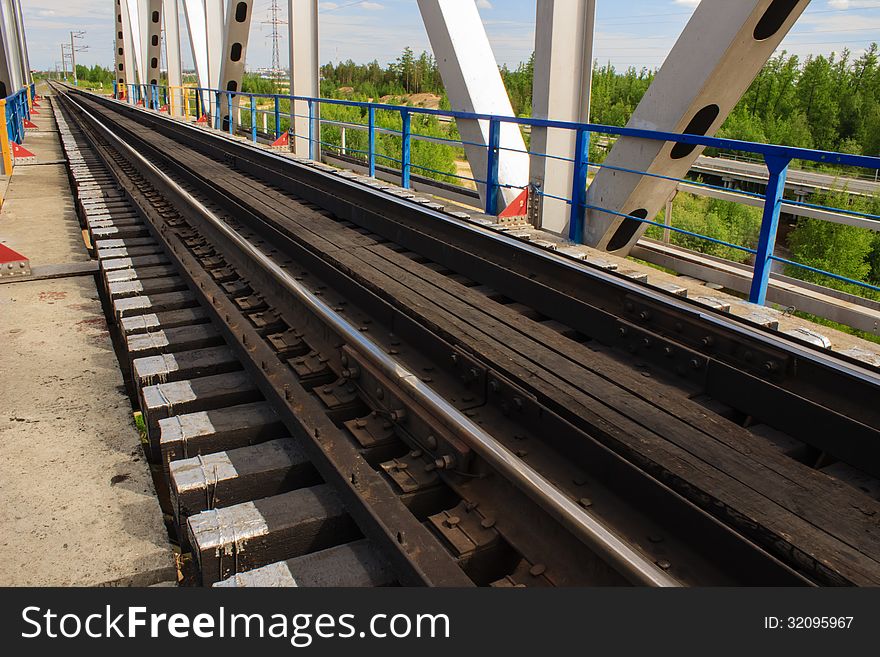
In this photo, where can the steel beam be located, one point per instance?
(171, 18)
(235, 43)
(22, 44)
(136, 40)
(561, 91)
(721, 50)
(196, 26)
(11, 66)
(214, 28)
(304, 72)
(129, 45)
(120, 69)
(473, 82)
(153, 31)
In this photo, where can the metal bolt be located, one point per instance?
(770, 366)
(695, 364)
(665, 565)
(487, 523)
(585, 502)
(644, 315)
(431, 442)
(452, 521)
(707, 341)
(537, 570)
(494, 386)
(380, 394)
(622, 331)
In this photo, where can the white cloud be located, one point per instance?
(372, 6)
(854, 4)
(484, 4)
(688, 3)
(329, 6)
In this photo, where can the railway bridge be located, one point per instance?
(345, 373)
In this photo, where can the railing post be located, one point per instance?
(5, 148)
(371, 147)
(579, 186)
(19, 124)
(405, 149)
(217, 124)
(312, 130)
(229, 113)
(254, 119)
(492, 167)
(277, 117)
(115, 90)
(773, 197)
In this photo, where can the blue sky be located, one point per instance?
(628, 32)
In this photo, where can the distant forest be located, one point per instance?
(828, 103)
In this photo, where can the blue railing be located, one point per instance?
(208, 103)
(17, 111)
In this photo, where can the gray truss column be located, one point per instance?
(304, 75)
(171, 20)
(235, 43)
(10, 58)
(120, 69)
(721, 50)
(196, 25)
(473, 82)
(561, 92)
(214, 27)
(136, 41)
(22, 43)
(153, 51)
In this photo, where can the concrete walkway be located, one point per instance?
(77, 505)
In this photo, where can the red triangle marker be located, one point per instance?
(12, 263)
(519, 207)
(29, 125)
(283, 140)
(202, 119)
(19, 152)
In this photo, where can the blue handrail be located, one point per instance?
(776, 157)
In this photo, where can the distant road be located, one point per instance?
(752, 172)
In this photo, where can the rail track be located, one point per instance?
(341, 385)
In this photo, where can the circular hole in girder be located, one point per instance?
(698, 125)
(773, 19)
(626, 230)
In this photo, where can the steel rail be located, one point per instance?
(595, 535)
